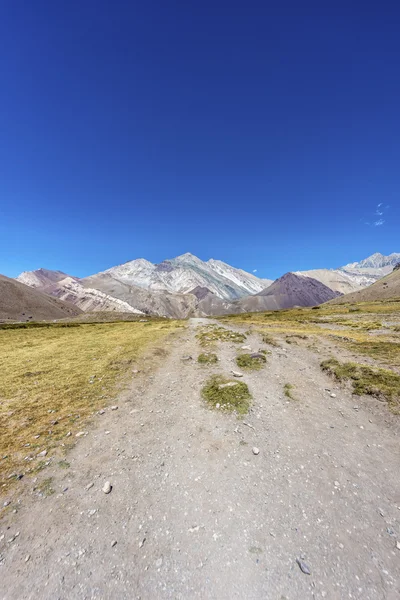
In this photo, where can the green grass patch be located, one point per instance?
(378, 349)
(211, 334)
(367, 380)
(287, 389)
(251, 361)
(207, 358)
(269, 339)
(235, 397)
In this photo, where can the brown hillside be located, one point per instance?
(386, 288)
(18, 302)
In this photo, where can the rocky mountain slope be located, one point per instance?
(386, 288)
(19, 302)
(356, 275)
(286, 292)
(41, 278)
(153, 302)
(375, 261)
(88, 299)
(186, 272)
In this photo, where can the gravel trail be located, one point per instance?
(193, 513)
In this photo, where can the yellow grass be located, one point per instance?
(350, 325)
(53, 379)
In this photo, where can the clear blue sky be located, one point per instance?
(264, 134)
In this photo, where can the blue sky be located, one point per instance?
(263, 134)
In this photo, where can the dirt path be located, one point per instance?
(195, 514)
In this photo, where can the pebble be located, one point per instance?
(159, 562)
(43, 453)
(102, 411)
(114, 407)
(237, 374)
(107, 487)
(142, 543)
(92, 512)
(398, 545)
(80, 433)
(7, 503)
(303, 567)
(256, 450)
(68, 434)
(226, 385)
(27, 557)
(113, 543)
(89, 485)
(333, 395)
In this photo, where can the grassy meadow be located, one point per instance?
(54, 377)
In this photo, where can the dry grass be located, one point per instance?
(367, 380)
(351, 326)
(287, 390)
(53, 378)
(209, 335)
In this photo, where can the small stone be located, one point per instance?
(80, 433)
(333, 395)
(398, 545)
(159, 562)
(217, 405)
(92, 512)
(89, 485)
(142, 543)
(226, 385)
(42, 454)
(246, 348)
(114, 407)
(102, 411)
(7, 503)
(186, 358)
(113, 543)
(256, 450)
(237, 374)
(303, 567)
(68, 434)
(107, 487)
(27, 557)
(390, 531)
(336, 484)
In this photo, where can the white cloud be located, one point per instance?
(379, 212)
(254, 270)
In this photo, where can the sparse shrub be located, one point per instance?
(233, 397)
(207, 359)
(287, 389)
(251, 361)
(268, 339)
(367, 380)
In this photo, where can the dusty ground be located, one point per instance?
(195, 514)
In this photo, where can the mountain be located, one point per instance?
(152, 302)
(41, 278)
(387, 288)
(292, 289)
(186, 272)
(357, 275)
(375, 261)
(88, 299)
(19, 302)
